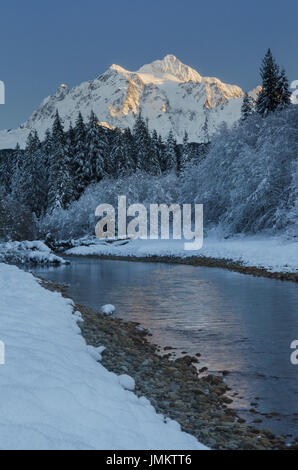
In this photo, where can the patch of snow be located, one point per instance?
(96, 353)
(54, 394)
(127, 382)
(108, 309)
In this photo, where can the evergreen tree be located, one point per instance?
(102, 160)
(283, 90)
(17, 173)
(128, 142)
(185, 154)
(153, 166)
(118, 156)
(268, 99)
(17, 158)
(70, 143)
(29, 184)
(206, 129)
(9, 161)
(69, 137)
(94, 165)
(81, 172)
(60, 182)
(142, 143)
(161, 151)
(247, 108)
(47, 145)
(109, 162)
(170, 155)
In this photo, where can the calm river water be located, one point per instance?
(237, 322)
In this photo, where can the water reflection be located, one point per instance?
(238, 323)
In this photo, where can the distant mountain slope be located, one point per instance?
(167, 92)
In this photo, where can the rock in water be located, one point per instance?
(108, 309)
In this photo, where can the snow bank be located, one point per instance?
(35, 252)
(272, 253)
(54, 393)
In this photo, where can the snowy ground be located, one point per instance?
(54, 393)
(272, 253)
(35, 252)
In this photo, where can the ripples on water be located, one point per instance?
(237, 322)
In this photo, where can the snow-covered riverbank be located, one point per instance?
(273, 254)
(54, 394)
(28, 252)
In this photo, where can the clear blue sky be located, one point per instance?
(45, 43)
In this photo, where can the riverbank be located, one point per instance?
(257, 256)
(198, 404)
(55, 393)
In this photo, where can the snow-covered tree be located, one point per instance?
(142, 143)
(94, 164)
(205, 129)
(268, 98)
(60, 181)
(185, 153)
(9, 162)
(153, 165)
(119, 156)
(283, 90)
(247, 108)
(246, 181)
(170, 154)
(80, 170)
(29, 183)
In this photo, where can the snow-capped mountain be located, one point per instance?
(169, 93)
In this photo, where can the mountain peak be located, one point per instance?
(171, 68)
(170, 59)
(61, 91)
(118, 68)
(172, 95)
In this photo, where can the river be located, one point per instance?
(239, 323)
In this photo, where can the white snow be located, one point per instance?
(127, 382)
(108, 309)
(54, 393)
(275, 254)
(172, 95)
(35, 252)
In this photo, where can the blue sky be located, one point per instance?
(45, 43)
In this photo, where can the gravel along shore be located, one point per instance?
(174, 387)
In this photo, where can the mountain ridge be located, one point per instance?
(170, 94)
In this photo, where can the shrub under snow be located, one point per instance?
(35, 252)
